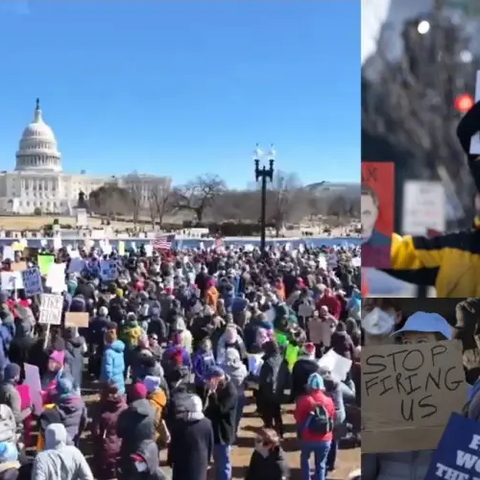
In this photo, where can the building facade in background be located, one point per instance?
(39, 183)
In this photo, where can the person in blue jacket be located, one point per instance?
(113, 363)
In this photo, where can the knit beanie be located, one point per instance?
(151, 383)
(8, 452)
(57, 356)
(11, 372)
(137, 391)
(315, 382)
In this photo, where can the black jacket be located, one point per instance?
(191, 449)
(273, 378)
(221, 410)
(272, 467)
(302, 369)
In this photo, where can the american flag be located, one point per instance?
(163, 242)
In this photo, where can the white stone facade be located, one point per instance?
(38, 181)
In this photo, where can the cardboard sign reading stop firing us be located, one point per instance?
(409, 393)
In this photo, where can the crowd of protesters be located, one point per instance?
(175, 342)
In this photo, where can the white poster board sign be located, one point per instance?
(475, 142)
(32, 379)
(424, 207)
(32, 281)
(11, 281)
(51, 307)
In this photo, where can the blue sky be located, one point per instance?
(183, 88)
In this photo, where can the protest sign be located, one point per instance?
(32, 281)
(408, 394)
(45, 262)
(56, 278)
(32, 379)
(51, 307)
(18, 266)
(305, 310)
(108, 270)
(337, 365)
(377, 202)
(458, 452)
(76, 319)
(11, 281)
(316, 331)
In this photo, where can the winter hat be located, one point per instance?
(179, 324)
(103, 311)
(315, 382)
(231, 334)
(57, 356)
(214, 372)
(194, 407)
(8, 452)
(137, 391)
(309, 348)
(11, 372)
(65, 386)
(151, 383)
(232, 357)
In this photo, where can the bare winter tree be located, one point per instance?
(110, 200)
(408, 105)
(284, 199)
(159, 201)
(198, 195)
(134, 184)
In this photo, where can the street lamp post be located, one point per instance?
(263, 173)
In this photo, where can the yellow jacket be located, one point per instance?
(449, 262)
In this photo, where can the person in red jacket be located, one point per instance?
(327, 299)
(314, 415)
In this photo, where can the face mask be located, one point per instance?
(378, 322)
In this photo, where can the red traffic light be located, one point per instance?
(463, 103)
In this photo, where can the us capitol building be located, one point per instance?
(38, 181)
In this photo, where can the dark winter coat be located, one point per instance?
(273, 378)
(272, 467)
(221, 409)
(136, 424)
(191, 449)
(74, 359)
(106, 441)
(302, 369)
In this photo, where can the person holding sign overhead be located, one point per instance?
(450, 262)
(420, 328)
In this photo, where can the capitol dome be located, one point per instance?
(37, 149)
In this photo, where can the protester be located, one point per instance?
(60, 460)
(268, 460)
(104, 425)
(315, 415)
(221, 405)
(420, 328)
(192, 444)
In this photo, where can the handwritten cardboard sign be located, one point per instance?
(377, 202)
(409, 393)
(458, 453)
(76, 319)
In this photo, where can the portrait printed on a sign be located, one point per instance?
(377, 201)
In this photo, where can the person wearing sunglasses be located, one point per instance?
(268, 459)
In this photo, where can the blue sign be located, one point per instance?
(457, 456)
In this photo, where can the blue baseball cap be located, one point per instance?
(427, 323)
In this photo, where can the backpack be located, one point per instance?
(318, 421)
